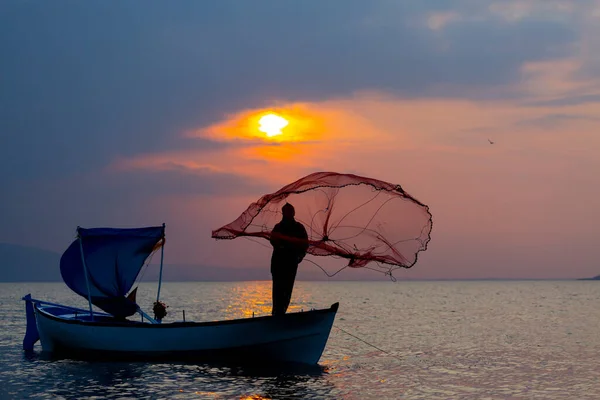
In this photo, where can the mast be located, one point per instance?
(85, 272)
(162, 255)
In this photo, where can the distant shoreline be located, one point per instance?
(595, 278)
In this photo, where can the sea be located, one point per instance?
(390, 340)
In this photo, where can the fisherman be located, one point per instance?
(290, 243)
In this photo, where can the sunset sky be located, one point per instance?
(137, 113)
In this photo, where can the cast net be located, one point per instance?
(365, 222)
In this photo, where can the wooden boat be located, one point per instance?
(102, 265)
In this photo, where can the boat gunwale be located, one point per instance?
(181, 324)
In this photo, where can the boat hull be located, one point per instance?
(291, 338)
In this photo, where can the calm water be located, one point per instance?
(440, 340)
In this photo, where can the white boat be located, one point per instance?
(102, 265)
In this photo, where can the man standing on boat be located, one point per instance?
(290, 243)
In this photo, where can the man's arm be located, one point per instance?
(276, 236)
(303, 242)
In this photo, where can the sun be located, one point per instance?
(272, 124)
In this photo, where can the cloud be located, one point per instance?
(439, 20)
(573, 100)
(86, 82)
(317, 133)
(555, 122)
(515, 10)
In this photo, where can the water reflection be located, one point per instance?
(100, 379)
(254, 299)
(292, 382)
(74, 379)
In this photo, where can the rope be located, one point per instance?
(323, 269)
(367, 343)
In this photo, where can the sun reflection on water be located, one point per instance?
(254, 299)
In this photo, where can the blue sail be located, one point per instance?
(113, 259)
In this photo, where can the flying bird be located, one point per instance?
(490, 141)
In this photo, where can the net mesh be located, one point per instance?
(364, 221)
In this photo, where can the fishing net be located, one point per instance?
(365, 222)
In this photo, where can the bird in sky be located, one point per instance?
(490, 141)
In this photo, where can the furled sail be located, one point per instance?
(113, 259)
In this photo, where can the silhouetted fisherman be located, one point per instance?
(290, 243)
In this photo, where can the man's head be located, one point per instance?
(288, 211)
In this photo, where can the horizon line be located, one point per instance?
(334, 280)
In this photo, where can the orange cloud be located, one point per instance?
(321, 122)
(303, 125)
(372, 133)
(317, 134)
